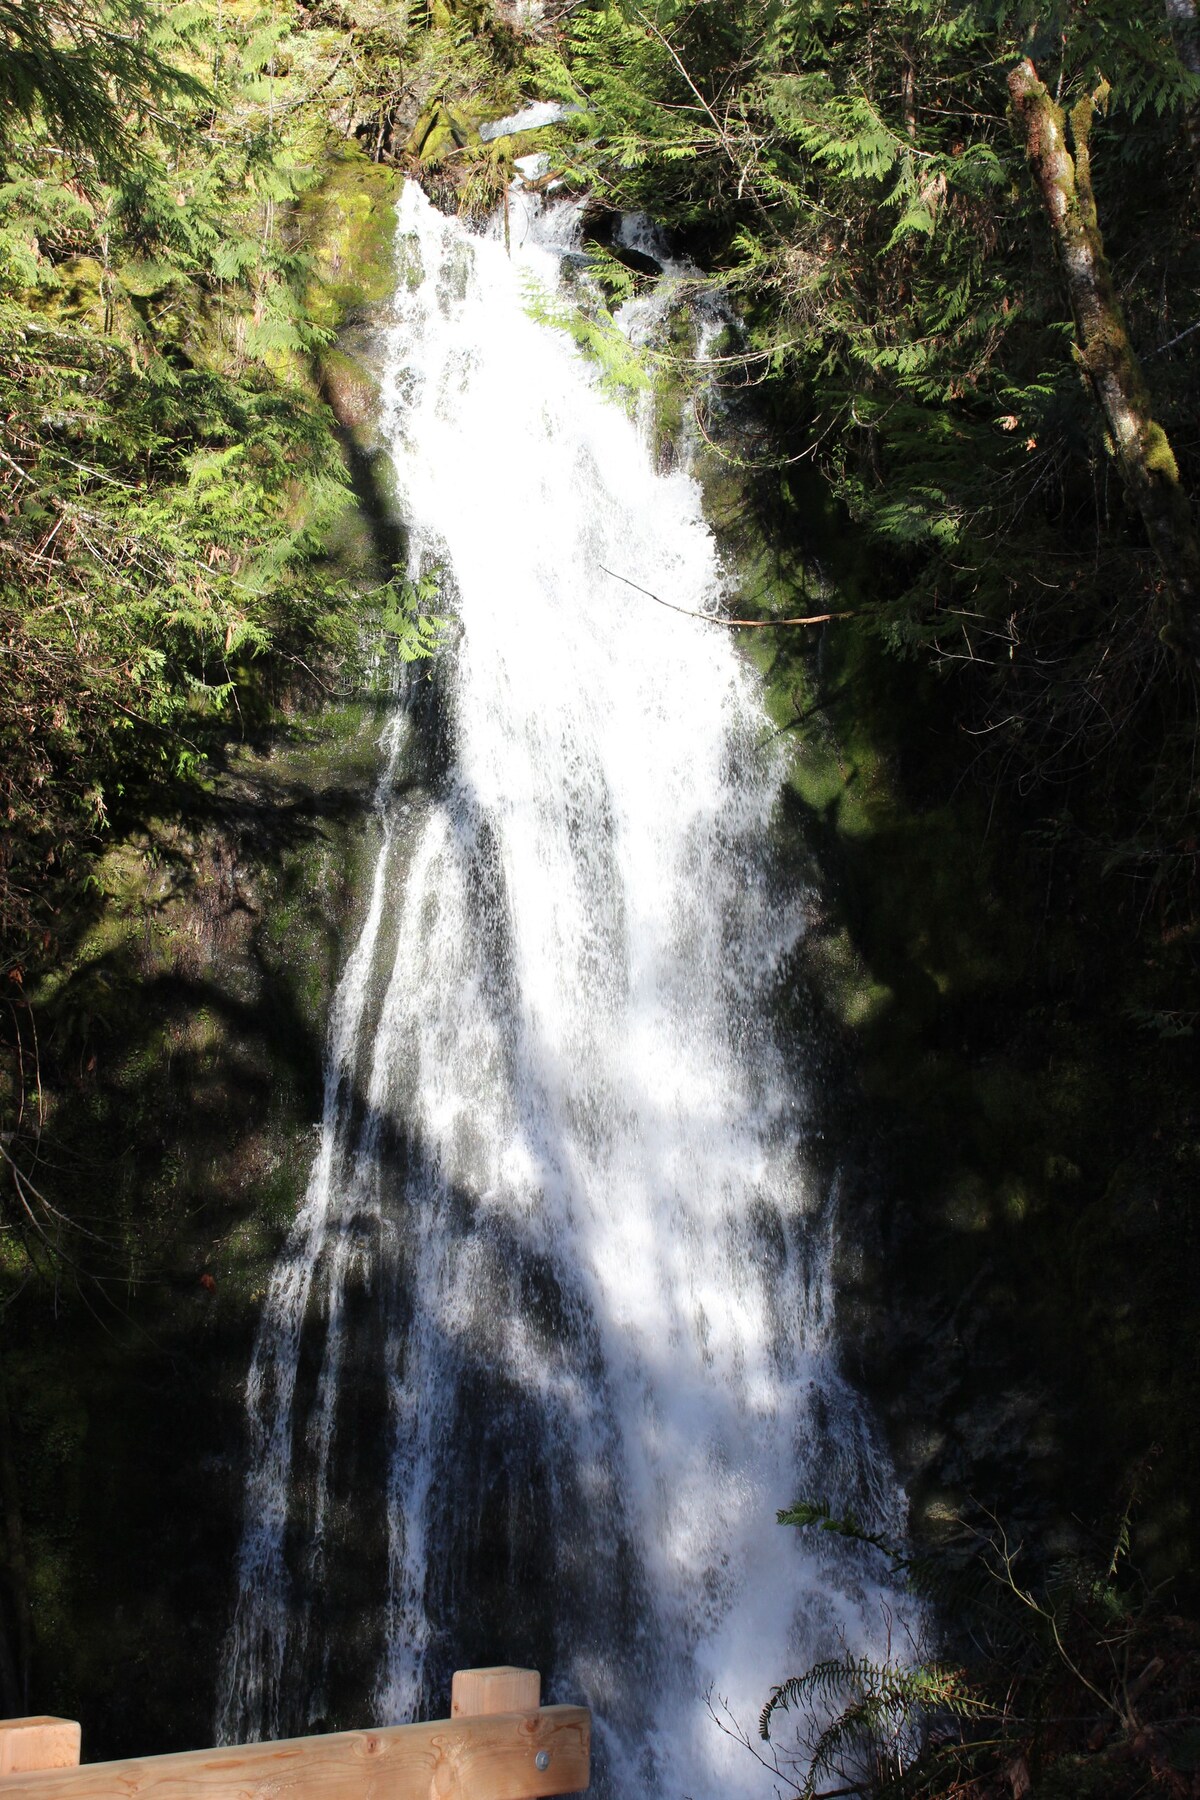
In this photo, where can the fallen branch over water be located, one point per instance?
(732, 624)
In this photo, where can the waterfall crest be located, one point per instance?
(558, 1203)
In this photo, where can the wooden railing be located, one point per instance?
(499, 1743)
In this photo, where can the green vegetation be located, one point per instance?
(182, 228)
(1079, 1683)
(857, 181)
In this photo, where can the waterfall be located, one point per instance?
(551, 1338)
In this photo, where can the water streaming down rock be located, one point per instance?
(558, 1208)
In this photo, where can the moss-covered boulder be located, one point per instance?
(346, 223)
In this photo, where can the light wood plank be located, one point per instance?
(489, 1758)
(502, 1690)
(43, 1742)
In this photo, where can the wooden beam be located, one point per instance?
(502, 1690)
(39, 1743)
(504, 1756)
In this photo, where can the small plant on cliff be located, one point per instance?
(1073, 1681)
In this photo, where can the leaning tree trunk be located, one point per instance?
(1143, 453)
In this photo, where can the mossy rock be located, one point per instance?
(347, 223)
(351, 391)
(78, 294)
(439, 132)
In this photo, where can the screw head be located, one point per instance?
(542, 1760)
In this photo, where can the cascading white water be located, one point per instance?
(559, 1148)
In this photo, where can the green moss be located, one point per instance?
(1160, 458)
(78, 293)
(347, 223)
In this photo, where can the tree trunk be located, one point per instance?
(1185, 34)
(1181, 15)
(1143, 453)
(908, 86)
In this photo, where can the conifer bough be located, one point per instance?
(87, 69)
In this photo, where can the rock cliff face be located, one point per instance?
(183, 1082)
(177, 1064)
(1013, 1138)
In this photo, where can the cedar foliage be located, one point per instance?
(91, 73)
(169, 478)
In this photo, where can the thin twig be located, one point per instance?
(1171, 342)
(730, 624)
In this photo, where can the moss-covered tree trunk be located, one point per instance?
(1141, 447)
